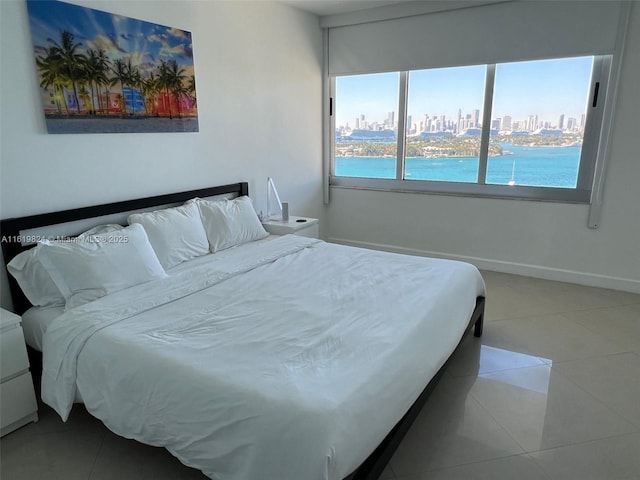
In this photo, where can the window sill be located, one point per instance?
(541, 194)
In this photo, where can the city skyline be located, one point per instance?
(546, 89)
(440, 124)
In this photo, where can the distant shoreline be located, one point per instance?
(526, 166)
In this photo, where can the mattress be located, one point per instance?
(288, 359)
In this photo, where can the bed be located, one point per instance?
(280, 357)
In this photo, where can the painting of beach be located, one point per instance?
(105, 73)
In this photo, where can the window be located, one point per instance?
(444, 124)
(520, 129)
(539, 137)
(366, 126)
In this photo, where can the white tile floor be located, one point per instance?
(550, 392)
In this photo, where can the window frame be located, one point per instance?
(593, 137)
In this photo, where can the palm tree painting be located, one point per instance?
(104, 73)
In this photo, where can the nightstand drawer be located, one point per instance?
(18, 402)
(13, 353)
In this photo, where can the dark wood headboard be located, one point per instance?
(12, 229)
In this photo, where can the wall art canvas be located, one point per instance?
(105, 73)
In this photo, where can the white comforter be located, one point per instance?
(289, 359)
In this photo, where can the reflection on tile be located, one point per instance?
(542, 409)
(452, 429)
(475, 358)
(520, 467)
(614, 380)
(611, 459)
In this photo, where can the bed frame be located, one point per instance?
(14, 230)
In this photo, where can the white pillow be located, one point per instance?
(176, 234)
(99, 229)
(94, 266)
(34, 280)
(230, 222)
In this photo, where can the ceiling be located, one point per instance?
(334, 7)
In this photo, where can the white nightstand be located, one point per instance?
(303, 226)
(18, 404)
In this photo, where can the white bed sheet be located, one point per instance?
(287, 359)
(35, 322)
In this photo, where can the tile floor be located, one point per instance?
(550, 392)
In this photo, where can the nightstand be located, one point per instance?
(18, 404)
(303, 226)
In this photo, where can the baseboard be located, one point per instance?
(536, 271)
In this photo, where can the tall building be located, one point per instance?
(506, 123)
(561, 122)
(475, 118)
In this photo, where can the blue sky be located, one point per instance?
(545, 88)
(120, 37)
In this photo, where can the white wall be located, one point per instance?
(258, 75)
(547, 240)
